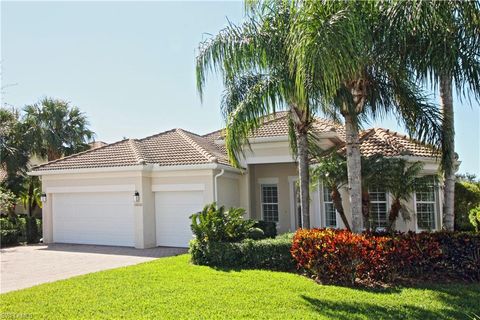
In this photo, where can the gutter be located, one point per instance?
(215, 185)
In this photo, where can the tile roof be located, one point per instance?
(174, 147)
(390, 144)
(276, 125)
(181, 147)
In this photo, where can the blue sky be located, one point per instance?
(130, 66)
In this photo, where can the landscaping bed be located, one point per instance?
(173, 288)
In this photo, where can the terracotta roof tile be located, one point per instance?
(391, 144)
(174, 147)
(181, 147)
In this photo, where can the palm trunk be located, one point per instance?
(337, 203)
(354, 172)
(394, 211)
(304, 177)
(366, 209)
(448, 149)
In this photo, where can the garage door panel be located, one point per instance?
(94, 218)
(172, 214)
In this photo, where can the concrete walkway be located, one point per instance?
(26, 266)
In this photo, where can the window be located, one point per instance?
(425, 204)
(378, 208)
(330, 212)
(270, 202)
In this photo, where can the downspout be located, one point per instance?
(215, 187)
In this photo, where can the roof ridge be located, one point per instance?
(183, 133)
(156, 135)
(392, 142)
(78, 154)
(137, 151)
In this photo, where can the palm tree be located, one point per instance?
(254, 60)
(371, 82)
(400, 181)
(332, 171)
(30, 199)
(441, 41)
(55, 129)
(13, 149)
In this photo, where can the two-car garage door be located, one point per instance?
(105, 218)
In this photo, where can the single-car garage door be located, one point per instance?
(104, 218)
(172, 212)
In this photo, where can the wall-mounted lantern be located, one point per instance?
(43, 197)
(136, 196)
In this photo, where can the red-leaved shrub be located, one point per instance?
(340, 256)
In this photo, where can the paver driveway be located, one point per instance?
(26, 266)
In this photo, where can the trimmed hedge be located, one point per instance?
(339, 256)
(271, 254)
(13, 230)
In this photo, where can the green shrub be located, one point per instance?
(474, 217)
(215, 224)
(13, 230)
(271, 254)
(467, 196)
(269, 228)
(255, 234)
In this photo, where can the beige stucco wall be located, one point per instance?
(228, 190)
(143, 181)
(280, 171)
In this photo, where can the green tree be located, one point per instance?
(401, 180)
(370, 80)
(255, 62)
(331, 170)
(13, 149)
(441, 42)
(55, 129)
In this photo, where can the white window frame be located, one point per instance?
(324, 207)
(434, 202)
(269, 203)
(387, 206)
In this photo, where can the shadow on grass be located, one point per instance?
(460, 301)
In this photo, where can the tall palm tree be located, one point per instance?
(371, 82)
(254, 60)
(55, 129)
(441, 41)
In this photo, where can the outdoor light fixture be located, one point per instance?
(136, 196)
(43, 197)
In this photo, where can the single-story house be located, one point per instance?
(141, 192)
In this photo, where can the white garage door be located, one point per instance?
(172, 212)
(94, 218)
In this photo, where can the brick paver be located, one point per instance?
(26, 266)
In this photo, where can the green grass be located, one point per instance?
(172, 288)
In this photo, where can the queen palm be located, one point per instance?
(372, 84)
(54, 129)
(254, 60)
(441, 41)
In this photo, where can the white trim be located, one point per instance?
(178, 187)
(267, 180)
(436, 209)
(293, 213)
(96, 188)
(137, 168)
(86, 170)
(269, 159)
(262, 203)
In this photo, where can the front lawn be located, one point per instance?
(174, 288)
